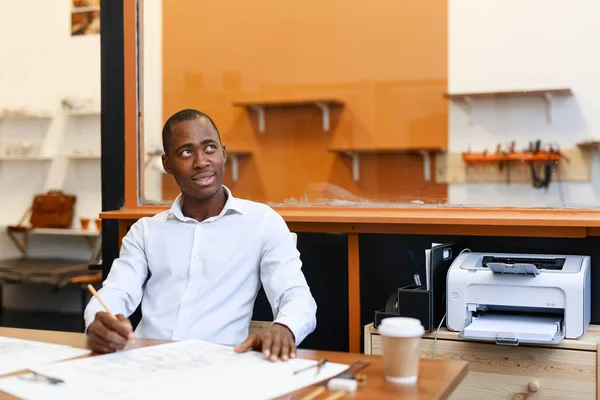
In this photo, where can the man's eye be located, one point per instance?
(211, 147)
(186, 153)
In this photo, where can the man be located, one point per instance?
(197, 268)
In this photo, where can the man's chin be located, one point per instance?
(203, 192)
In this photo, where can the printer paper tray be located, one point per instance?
(512, 329)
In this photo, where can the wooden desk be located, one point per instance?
(437, 378)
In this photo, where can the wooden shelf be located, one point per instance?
(546, 94)
(82, 112)
(355, 151)
(22, 244)
(499, 157)
(507, 93)
(18, 116)
(84, 9)
(83, 156)
(56, 231)
(65, 232)
(260, 106)
(25, 158)
(589, 145)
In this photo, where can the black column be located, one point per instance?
(112, 124)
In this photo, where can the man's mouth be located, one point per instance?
(204, 179)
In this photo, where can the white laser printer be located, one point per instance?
(513, 298)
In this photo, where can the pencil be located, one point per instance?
(97, 296)
(336, 395)
(314, 394)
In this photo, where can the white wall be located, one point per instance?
(153, 96)
(41, 63)
(515, 44)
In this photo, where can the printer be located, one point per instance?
(518, 298)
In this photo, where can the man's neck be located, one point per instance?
(201, 209)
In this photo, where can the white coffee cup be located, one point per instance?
(401, 338)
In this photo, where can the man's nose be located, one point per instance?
(200, 159)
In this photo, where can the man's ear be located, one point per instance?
(224, 153)
(165, 163)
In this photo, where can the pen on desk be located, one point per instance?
(318, 365)
(97, 296)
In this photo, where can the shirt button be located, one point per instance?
(195, 256)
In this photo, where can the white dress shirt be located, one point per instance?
(199, 280)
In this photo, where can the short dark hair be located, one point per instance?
(183, 115)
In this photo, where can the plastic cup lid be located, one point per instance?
(401, 327)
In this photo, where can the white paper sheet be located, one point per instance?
(525, 327)
(178, 370)
(18, 354)
(428, 265)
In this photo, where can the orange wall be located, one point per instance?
(386, 61)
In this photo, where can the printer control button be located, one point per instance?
(455, 295)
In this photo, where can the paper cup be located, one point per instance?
(401, 355)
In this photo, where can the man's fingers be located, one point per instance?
(285, 348)
(120, 327)
(127, 322)
(99, 345)
(276, 346)
(292, 349)
(109, 336)
(266, 339)
(246, 344)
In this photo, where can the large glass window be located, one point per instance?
(439, 102)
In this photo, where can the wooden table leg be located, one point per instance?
(353, 293)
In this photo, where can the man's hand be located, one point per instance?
(107, 335)
(275, 342)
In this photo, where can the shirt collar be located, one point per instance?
(231, 205)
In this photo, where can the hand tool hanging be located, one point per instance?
(540, 182)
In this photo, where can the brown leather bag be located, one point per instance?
(53, 209)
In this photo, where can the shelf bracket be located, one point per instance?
(235, 173)
(469, 104)
(426, 165)
(260, 111)
(21, 246)
(548, 99)
(324, 107)
(355, 164)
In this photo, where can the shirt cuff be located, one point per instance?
(292, 325)
(89, 314)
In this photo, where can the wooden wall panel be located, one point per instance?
(387, 63)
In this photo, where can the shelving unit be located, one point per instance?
(546, 94)
(355, 152)
(260, 106)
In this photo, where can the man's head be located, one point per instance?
(194, 154)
